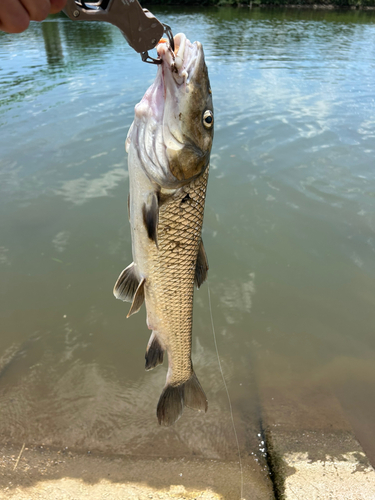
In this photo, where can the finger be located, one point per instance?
(37, 9)
(57, 5)
(14, 18)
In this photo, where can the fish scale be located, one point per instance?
(170, 285)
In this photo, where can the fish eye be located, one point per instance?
(208, 118)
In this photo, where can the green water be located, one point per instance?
(289, 231)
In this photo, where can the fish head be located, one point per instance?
(172, 131)
(188, 120)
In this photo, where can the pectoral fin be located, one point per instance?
(126, 284)
(138, 299)
(150, 213)
(201, 267)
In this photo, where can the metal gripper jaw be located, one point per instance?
(140, 28)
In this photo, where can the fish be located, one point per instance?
(169, 145)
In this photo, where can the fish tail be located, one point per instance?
(174, 398)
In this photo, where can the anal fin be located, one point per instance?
(154, 353)
(201, 267)
(138, 299)
(126, 284)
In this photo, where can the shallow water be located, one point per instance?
(289, 230)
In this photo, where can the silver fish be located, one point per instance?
(169, 145)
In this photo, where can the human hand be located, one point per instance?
(15, 15)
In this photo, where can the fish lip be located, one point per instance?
(182, 62)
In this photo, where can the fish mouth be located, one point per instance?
(182, 62)
(176, 72)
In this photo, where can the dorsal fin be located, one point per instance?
(201, 267)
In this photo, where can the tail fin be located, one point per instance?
(174, 398)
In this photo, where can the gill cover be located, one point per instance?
(188, 109)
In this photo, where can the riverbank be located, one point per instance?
(44, 473)
(307, 458)
(307, 4)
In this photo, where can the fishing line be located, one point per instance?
(226, 390)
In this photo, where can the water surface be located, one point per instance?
(289, 231)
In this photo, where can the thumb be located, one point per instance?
(57, 5)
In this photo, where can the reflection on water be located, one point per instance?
(289, 230)
(89, 405)
(52, 42)
(80, 190)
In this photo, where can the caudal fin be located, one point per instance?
(174, 398)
